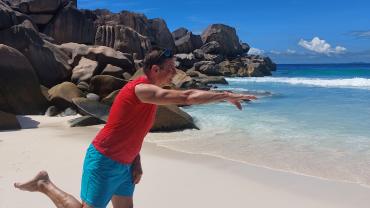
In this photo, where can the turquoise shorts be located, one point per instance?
(103, 177)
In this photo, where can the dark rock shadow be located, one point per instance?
(27, 122)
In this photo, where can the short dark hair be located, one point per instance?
(156, 56)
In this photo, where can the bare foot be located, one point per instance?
(34, 184)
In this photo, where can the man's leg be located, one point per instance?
(122, 202)
(42, 183)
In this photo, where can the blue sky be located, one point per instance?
(289, 31)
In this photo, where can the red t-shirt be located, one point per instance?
(128, 122)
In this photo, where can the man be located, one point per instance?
(112, 163)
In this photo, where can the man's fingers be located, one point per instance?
(236, 103)
(136, 177)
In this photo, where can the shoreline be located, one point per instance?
(170, 177)
(259, 166)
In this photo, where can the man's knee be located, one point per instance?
(84, 205)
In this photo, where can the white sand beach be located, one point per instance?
(171, 179)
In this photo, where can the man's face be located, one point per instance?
(167, 72)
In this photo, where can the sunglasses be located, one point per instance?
(166, 53)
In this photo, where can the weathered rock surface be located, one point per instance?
(188, 42)
(160, 34)
(124, 39)
(93, 96)
(172, 118)
(8, 121)
(113, 71)
(52, 111)
(212, 47)
(179, 33)
(49, 63)
(20, 91)
(155, 29)
(92, 108)
(103, 55)
(207, 67)
(9, 17)
(37, 6)
(103, 85)
(110, 98)
(41, 19)
(212, 80)
(185, 61)
(71, 25)
(180, 78)
(227, 38)
(62, 94)
(84, 71)
(85, 121)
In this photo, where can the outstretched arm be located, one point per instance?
(148, 93)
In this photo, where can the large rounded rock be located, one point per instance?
(92, 108)
(255, 70)
(136, 21)
(62, 94)
(103, 55)
(207, 67)
(110, 98)
(85, 121)
(180, 78)
(105, 36)
(212, 47)
(9, 17)
(124, 39)
(50, 63)
(41, 19)
(172, 118)
(188, 43)
(8, 121)
(71, 25)
(103, 85)
(113, 71)
(20, 91)
(37, 6)
(155, 29)
(185, 61)
(52, 111)
(84, 71)
(179, 33)
(217, 58)
(129, 41)
(161, 35)
(227, 68)
(227, 38)
(245, 47)
(68, 48)
(213, 80)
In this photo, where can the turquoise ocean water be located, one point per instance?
(309, 119)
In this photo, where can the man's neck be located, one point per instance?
(152, 80)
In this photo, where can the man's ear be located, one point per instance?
(155, 68)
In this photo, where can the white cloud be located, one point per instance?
(290, 51)
(321, 46)
(256, 51)
(287, 52)
(361, 34)
(275, 52)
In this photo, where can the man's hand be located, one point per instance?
(235, 99)
(137, 171)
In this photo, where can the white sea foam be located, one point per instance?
(359, 83)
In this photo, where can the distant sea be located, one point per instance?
(309, 119)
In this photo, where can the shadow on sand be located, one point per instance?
(27, 122)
